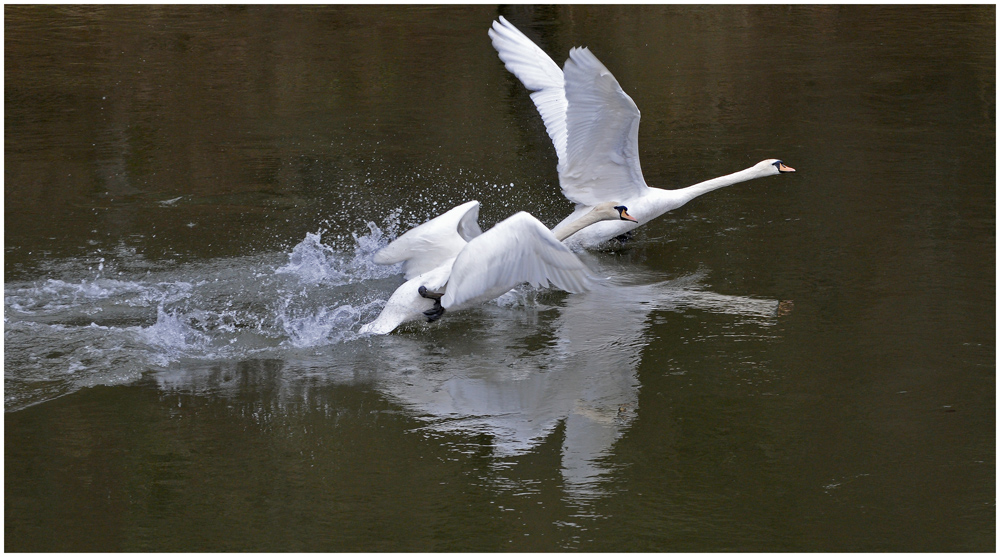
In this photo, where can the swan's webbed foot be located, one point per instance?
(622, 238)
(435, 312)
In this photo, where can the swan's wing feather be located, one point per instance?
(517, 250)
(468, 224)
(539, 73)
(602, 124)
(430, 244)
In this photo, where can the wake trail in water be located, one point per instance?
(110, 323)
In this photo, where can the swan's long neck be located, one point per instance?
(691, 192)
(563, 232)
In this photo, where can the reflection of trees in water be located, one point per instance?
(514, 380)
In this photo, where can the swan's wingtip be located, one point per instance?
(382, 257)
(500, 24)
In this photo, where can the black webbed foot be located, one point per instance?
(623, 238)
(435, 312)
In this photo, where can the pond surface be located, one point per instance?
(800, 363)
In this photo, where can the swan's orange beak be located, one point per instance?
(628, 217)
(783, 168)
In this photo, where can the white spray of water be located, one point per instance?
(313, 262)
(171, 335)
(78, 327)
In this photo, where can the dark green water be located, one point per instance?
(192, 196)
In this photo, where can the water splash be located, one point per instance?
(366, 245)
(172, 336)
(78, 327)
(313, 262)
(319, 327)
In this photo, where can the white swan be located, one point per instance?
(450, 264)
(594, 127)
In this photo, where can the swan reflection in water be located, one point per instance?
(516, 384)
(512, 374)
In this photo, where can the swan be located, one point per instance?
(594, 126)
(450, 264)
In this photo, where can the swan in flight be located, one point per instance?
(449, 263)
(594, 126)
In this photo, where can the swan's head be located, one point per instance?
(770, 167)
(623, 214)
(611, 210)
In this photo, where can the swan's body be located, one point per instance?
(594, 127)
(450, 264)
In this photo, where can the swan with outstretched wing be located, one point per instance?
(450, 264)
(594, 127)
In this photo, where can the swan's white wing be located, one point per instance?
(430, 244)
(519, 249)
(538, 73)
(602, 125)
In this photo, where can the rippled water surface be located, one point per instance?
(800, 363)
